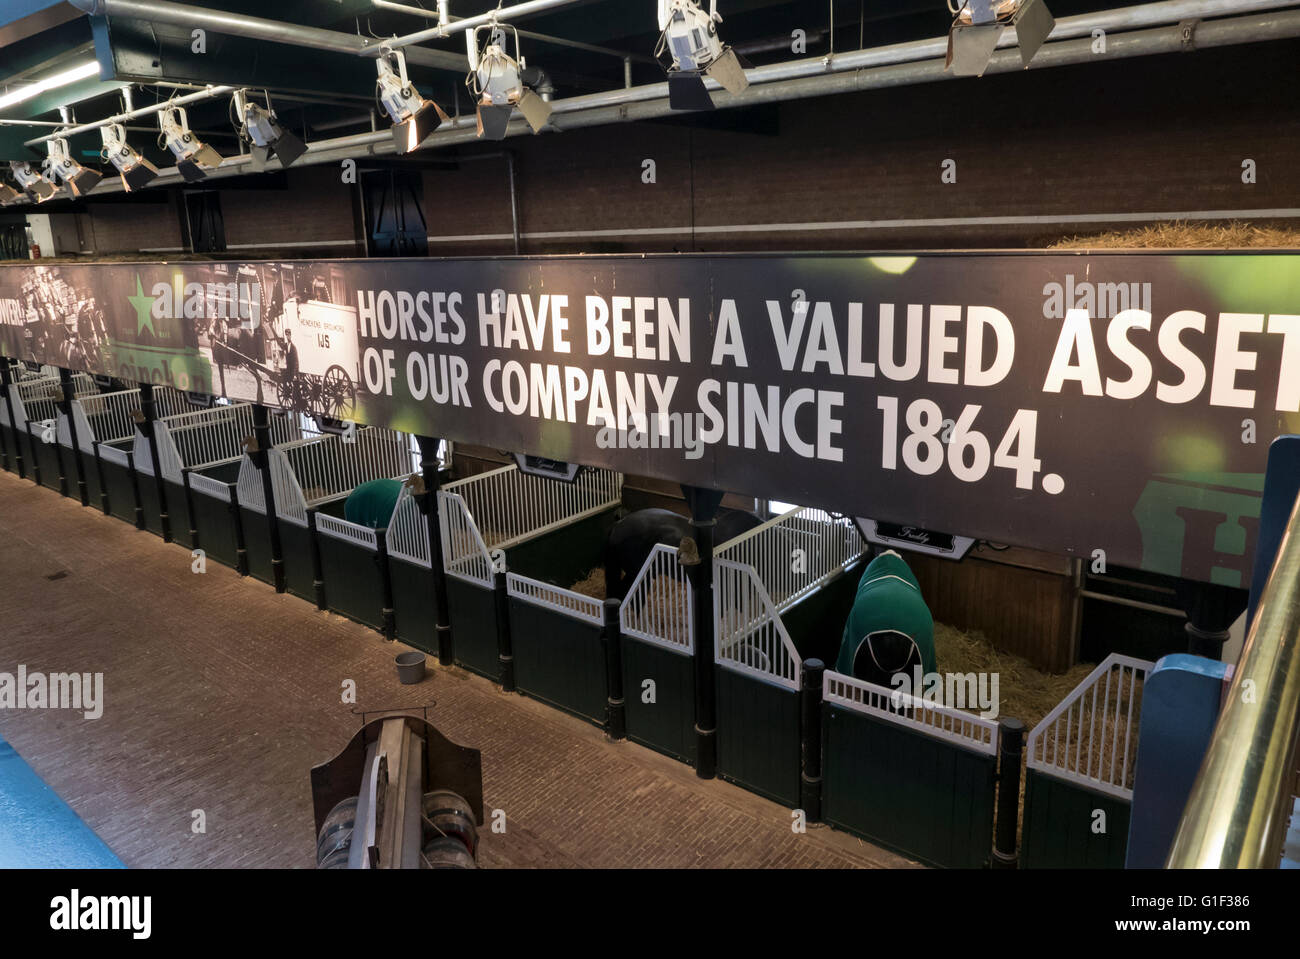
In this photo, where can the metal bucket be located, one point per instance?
(410, 667)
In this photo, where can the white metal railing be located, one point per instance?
(105, 417)
(464, 553)
(894, 706)
(504, 507)
(347, 531)
(749, 636)
(117, 453)
(209, 486)
(330, 466)
(1090, 738)
(249, 487)
(408, 531)
(659, 606)
(795, 553)
(548, 596)
(510, 507)
(211, 437)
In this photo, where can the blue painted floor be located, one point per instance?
(38, 830)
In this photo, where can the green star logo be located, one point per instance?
(143, 308)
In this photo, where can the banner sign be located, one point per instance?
(1113, 407)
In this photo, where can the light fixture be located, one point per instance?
(414, 118)
(193, 156)
(500, 83)
(33, 182)
(690, 37)
(268, 138)
(8, 194)
(61, 166)
(136, 170)
(83, 71)
(978, 25)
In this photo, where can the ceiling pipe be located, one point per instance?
(446, 29)
(526, 34)
(632, 105)
(256, 28)
(206, 94)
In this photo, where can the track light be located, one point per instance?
(193, 156)
(32, 181)
(60, 165)
(136, 170)
(414, 118)
(262, 129)
(690, 36)
(978, 27)
(500, 83)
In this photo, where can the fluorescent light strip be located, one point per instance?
(80, 72)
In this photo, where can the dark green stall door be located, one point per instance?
(48, 460)
(178, 509)
(758, 736)
(295, 551)
(559, 660)
(415, 609)
(662, 715)
(119, 484)
(473, 613)
(257, 543)
(927, 798)
(1063, 826)
(353, 586)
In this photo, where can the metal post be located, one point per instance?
(237, 519)
(704, 509)
(505, 649)
(1211, 611)
(317, 566)
(429, 466)
(810, 739)
(65, 382)
(11, 388)
(388, 617)
(612, 637)
(262, 460)
(149, 410)
(1011, 741)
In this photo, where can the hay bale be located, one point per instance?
(593, 584)
(1232, 235)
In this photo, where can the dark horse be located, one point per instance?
(633, 539)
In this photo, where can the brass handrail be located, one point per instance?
(1236, 815)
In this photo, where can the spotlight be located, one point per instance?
(690, 36)
(414, 118)
(34, 184)
(136, 170)
(262, 129)
(60, 165)
(978, 27)
(192, 154)
(499, 84)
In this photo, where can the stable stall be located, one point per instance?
(1081, 759)
(336, 563)
(513, 545)
(32, 420)
(781, 595)
(199, 454)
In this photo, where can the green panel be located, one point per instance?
(925, 798)
(94, 488)
(179, 511)
(49, 462)
(566, 555)
(415, 609)
(295, 550)
(758, 736)
(120, 484)
(667, 724)
(353, 586)
(148, 489)
(559, 660)
(257, 543)
(215, 522)
(7, 438)
(473, 614)
(1059, 822)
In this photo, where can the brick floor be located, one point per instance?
(220, 695)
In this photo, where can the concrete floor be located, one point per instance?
(220, 695)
